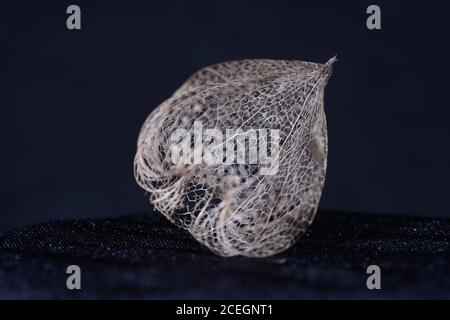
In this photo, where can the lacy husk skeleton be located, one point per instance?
(234, 208)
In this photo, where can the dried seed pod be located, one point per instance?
(237, 155)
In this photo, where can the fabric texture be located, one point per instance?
(145, 257)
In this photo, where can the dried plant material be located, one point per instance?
(238, 154)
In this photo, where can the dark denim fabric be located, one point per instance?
(144, 256)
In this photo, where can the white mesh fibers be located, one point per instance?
(237, 208)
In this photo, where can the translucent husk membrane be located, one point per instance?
(232, 208)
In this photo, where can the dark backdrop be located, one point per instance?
(73, 102)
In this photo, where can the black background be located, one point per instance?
(72, 102)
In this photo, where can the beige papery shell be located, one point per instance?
(240, 207)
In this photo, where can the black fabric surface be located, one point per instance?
(144, 256)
